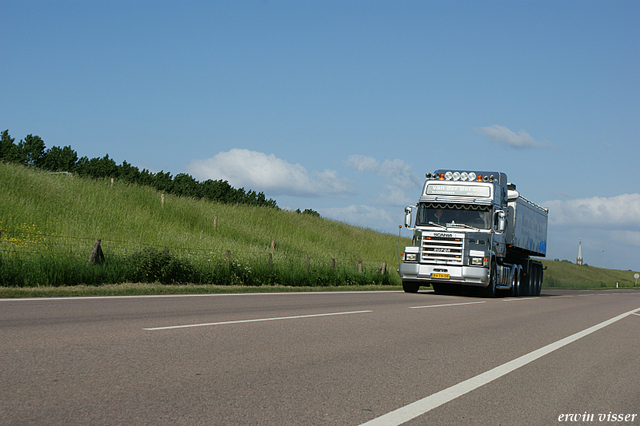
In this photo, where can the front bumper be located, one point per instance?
(463, 275)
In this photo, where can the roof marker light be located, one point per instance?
(456, 175)
(464, 176)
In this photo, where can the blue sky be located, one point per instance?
(342, 106)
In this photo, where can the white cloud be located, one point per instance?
(267, 173)
(397, 170)
(396, 197)
(622, 211)
(508, 137)
(368, 216)
(362, 163)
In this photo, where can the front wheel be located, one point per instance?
(410, 287)
(490, 290)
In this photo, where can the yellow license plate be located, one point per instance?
(441, 276)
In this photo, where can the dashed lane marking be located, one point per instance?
(254, 320)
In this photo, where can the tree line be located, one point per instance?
(32, 152)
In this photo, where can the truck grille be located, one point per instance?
(442, 249)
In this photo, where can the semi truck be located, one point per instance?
(473, 229)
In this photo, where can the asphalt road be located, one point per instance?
(322, 358)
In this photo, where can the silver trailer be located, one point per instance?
(472, 228)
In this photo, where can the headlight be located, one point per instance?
(410, 257)
(477, 261)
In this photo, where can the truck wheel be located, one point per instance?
(490, 290)
(515, 283)
(527, 285)
(538, 282)
(410, 287)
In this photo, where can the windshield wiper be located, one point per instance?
(437, 224)
(463, 225)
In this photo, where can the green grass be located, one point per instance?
(567, 275)
(48, 224)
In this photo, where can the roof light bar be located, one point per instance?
(460, 176)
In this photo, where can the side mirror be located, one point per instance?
(502, 222)
(408, 216)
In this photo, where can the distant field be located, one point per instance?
(49, 223)
(564, 274)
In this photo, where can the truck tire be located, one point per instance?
(410, 287)
(515, 283)
(490, 290)
(527, 284)
(538, 280)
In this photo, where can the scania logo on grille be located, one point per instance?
(437, 234)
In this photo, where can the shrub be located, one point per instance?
(152, 265)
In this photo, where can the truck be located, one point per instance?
(472, 229)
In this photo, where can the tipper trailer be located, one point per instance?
(472, 228)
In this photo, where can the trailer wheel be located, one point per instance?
(538, 281)
(490, 290)
(526, 287)
(410, 287)
(515, 283)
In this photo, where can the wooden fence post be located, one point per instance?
(96, 256)
(215, 222)
(359, 266)
(384, 267)
(227, 255)
(333, 264)
(162, 200)
(270, 258)
(273, 245)
(308, 264)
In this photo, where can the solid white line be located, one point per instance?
(518, 299)
(445, 304)
(153, 296)
(636, 314)
(254, 320)
(418, 408)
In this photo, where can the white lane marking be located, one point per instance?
(518, 299)
(445, 304)
(636, 314)
(420, 407)
(160, 296)
(254, 320)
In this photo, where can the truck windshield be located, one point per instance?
(454, 214)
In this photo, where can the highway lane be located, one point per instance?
(315, 358)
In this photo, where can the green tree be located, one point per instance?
(58, 159)
(97, 167)
(33, 150)
(185, 185)
(6, 145)
(129, 173)
(162, 181)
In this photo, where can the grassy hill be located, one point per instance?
(49, 223)
(56, 218)
(565, 274)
